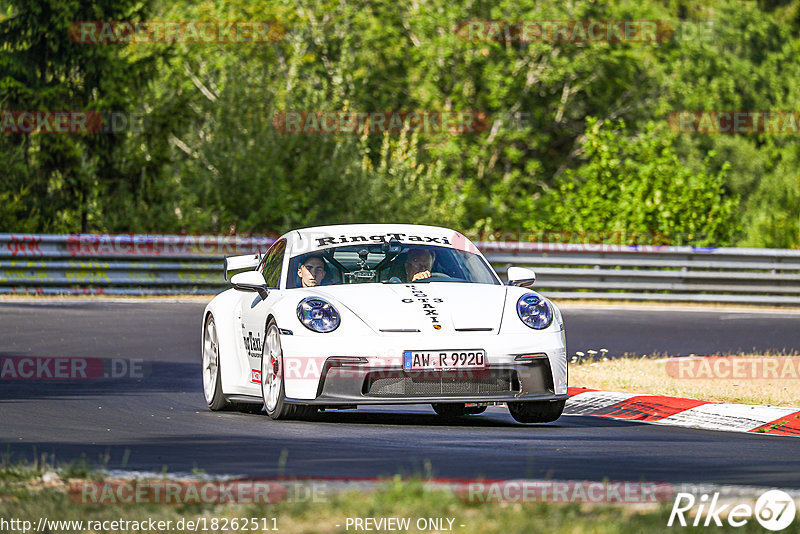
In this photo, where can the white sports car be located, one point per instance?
(335, 317)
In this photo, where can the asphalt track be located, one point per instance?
(160, 421)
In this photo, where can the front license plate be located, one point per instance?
(443, 359)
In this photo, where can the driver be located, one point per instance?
(312, 271)
(418, 264)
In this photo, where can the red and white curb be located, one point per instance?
(684, 412)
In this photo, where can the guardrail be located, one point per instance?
(662, 273)
(171, 264)
(118, 264)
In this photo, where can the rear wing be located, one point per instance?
(235, 264)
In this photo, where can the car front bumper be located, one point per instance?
(338, 371)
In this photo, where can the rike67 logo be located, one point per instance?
(774, 510)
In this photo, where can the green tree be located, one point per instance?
(71, 182)
(210, 159)
(743, 56)
(635, 186)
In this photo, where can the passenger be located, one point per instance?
(312, 271)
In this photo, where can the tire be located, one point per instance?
(272, 385)
(536, 411)
(450, 410)
(212, 374)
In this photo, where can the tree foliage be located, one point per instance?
(631, 189)
(76, 182)
(210, 159)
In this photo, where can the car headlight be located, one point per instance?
(534, 311)
(318, 315)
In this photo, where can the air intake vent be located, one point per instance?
(430, 384)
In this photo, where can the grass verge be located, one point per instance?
(28, 493)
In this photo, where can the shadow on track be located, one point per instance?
(387, 418)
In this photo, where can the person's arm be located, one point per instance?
(421, 275)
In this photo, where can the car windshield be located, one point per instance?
(388, 263)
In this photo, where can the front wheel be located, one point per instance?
(536, 411)
(272, 384)
(212, 379)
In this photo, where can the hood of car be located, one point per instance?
(424, 307)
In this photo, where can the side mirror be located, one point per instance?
(521, 276)
(250, 281)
